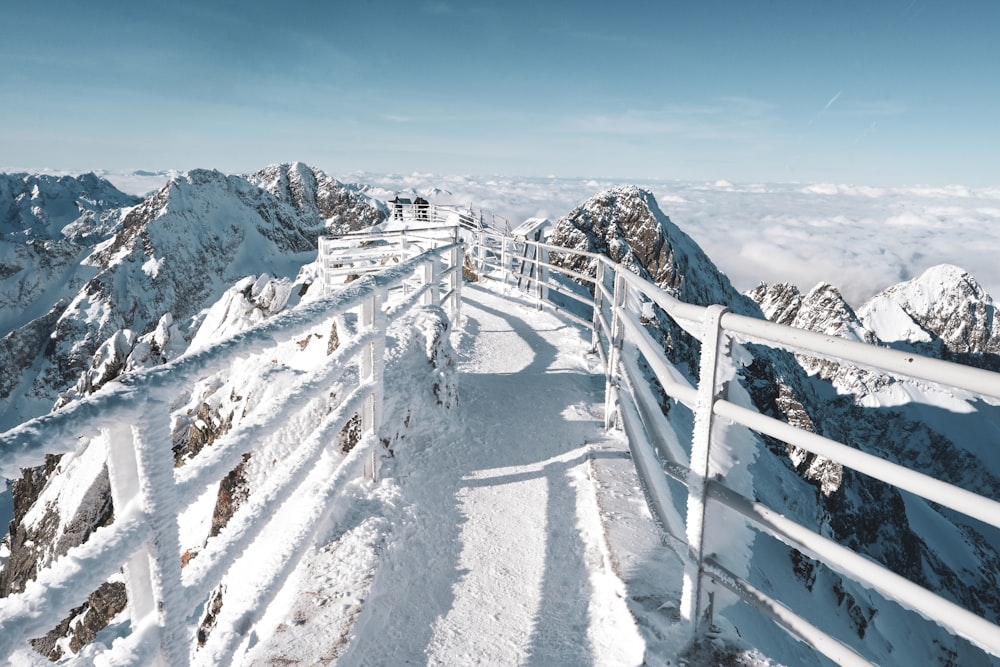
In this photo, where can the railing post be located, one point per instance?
(321, 251)
(694, 599)
(614, 349)
(504, 259)
(125, 480)
(433, 295)
(153, 485)
(457, 260)
(542, 285)
(598, 306)
(372, 364)
(480, 253)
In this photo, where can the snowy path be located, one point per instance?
(494, 567)
(493, 548)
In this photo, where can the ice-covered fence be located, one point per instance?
(615, 303)
(132, 418)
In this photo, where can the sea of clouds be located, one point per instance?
(860, 239)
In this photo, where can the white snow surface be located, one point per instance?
(483, 542)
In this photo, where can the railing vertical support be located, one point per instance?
(126, 486)
(694, 599)
(457, 259)
(141, 463)
(433, 295)
(598, 306)
(371, 365)
(542, 286)
(504, 259)
(480, 252)
(614, 350)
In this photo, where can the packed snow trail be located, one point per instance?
(492, 566)
(483, 541)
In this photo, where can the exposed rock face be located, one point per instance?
(142, 297)
(822, 310)
(344, 208)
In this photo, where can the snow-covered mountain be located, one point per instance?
(921, 430)
(126, 284)
(943, 312)
(206, 255)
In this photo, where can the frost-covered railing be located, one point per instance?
(616, 307)
(132, 419)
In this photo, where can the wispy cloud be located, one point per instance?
(437, 8)
(725, 118)
(872, 108)
(833, 99)
(396, 118)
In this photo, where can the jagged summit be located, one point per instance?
(176, 253)
(944, 307)
(342, 207)
(626, 224)
(823, 309)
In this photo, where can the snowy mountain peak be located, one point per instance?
(626, 224)
(343, 207)
(943, 307)
(823, 309)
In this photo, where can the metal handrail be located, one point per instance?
(645, 427)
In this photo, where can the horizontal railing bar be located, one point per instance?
(793, 624)
(214, 462)
(68, 581)
(906, 364)
(606, 294)
(552, 267)
(330, 480)
(674, 384)
(646, 463)
(570, 315)
(138, 649)
(961, 500)
(565, 291)
(207, 570)
(688, 316)
(930, 605)
(411, 300)
(651, 412)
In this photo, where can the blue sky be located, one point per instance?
(883, 93)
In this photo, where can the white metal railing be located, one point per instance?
(132, 417)
(614, 305)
